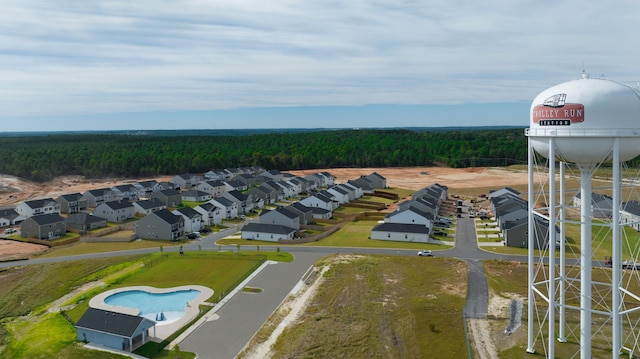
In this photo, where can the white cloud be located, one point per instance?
(69, 57)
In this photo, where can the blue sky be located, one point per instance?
(111, 65)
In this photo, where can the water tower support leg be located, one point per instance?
(616, 254)
(551, 246)
(563, 272)
(585, 260)
(530, 294)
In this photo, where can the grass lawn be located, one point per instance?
(86, 248)
(356, 234)
(382, 307)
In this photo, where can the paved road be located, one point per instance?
(242, 316)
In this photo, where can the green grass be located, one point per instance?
(397, 307)
(86, 248)
(356, 234)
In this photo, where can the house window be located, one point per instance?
(388, 235)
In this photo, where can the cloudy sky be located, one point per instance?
(102, 65)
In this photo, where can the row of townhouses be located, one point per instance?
(159, 203)
(413, 220)
(283, 223)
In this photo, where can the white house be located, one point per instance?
(36, 207)
(267, 232)
(401, 232)
(229, 208)
(115, 211)
(211, 214)
(192, 218)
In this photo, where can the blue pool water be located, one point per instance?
(156, 306)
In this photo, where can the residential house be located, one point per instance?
(280, 216)
(192, 218)
(215, 188)
(231, 185)
(249, 180)
(72, 203)
(211, 214)
(401, 232)
(410, 215)
(287, 189)
(377, 180)
(170, 197)
(339, 194)
(9, 217)
(43, 226)
(186, 180)
(216, 175)
(319, 200)
(127, 192)
(194, 195)
(113, 330)
(83, 222)
(242, 201)
(115, 211)
(162, 225)
(145, 188)
(364, 183)
(267, 232)
(268, 195)
(515, 232)
(275, 175)
(601, 204)
(305, 213)
(38, 206)
(630, 214)
(96, 197)
(321, 213)
(147, 206)
(229, 208)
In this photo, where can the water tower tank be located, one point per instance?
(584, 116)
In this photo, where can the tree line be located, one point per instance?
(95, 155)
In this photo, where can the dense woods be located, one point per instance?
(96, 155)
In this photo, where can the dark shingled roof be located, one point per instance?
(111, 322)
(401, 228)
(268, 228)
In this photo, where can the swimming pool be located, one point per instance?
(160, 307)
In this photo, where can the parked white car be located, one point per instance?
(426, 253)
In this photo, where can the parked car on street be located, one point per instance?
(425, 253)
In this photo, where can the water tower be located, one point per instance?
(585, 123)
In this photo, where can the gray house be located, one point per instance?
(280, 216)
(72, 203)
(161, 224)
(98, 196)
(113, 330)
(115, 211)
(147, 206)
(170, 197)
(214, 187)
(43, 226)
(83, 222)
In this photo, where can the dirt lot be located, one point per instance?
(14, 190)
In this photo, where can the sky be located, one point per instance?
(210, 64)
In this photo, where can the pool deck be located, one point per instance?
(162, 330)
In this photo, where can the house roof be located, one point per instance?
(188, 212)
(119, 324)
(167, 216)
(170, 192)
(9, 213)
(401, 228)
(215, 183)
(84, 218)
(99, 192)
(224, 201)
(40, 203)
(376, 175)
(208, 206)
(115, 205)
(632, 207)
(50, 218)
(125, 187)
(195, 193)
(150, 203)
(268, 228)
(71, 197)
